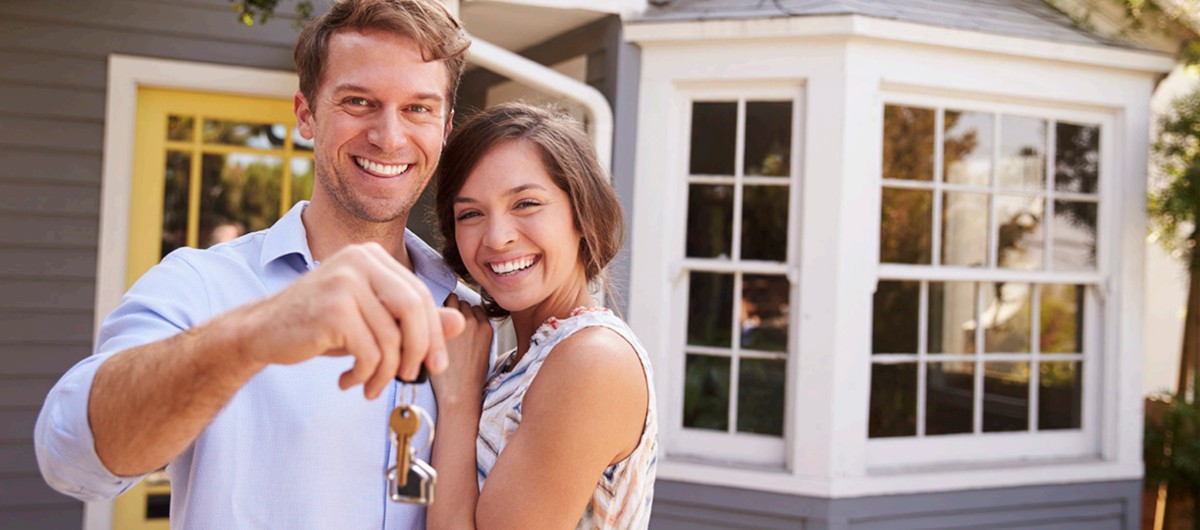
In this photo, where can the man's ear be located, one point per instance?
(304, 116)
(449, 127)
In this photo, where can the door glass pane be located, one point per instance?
(908, 137)
(906, 226)
(1076, 158)
(1022, 153)
(179, 128)
(965, 229)
(1062, 319)
(952, 317)
(239, 194)
(893, 400)
(764, 313)
(768, 138)
(710, 309)
(967, 149)
(1074, 235)
(1007, 316)
(1005, 396)
(1020, 233)
(950, 398)
(302, 179)
(1060, 395)
(714, 138)
(760, 396)
(710, 221)
(175, 201)
(706, 393)
(765, 222)
(241, 134)
(895, 317)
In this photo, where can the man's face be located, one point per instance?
(378, 122)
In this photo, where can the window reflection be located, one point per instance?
(1061, 319)
(967, 149)
(965, 229)
(1076, 158)
(1074, 228)
(1007, 317)
(764, 222)
(714, 138)
(1022, 153)
(908, 136)
(1060, 396)
(760, 396)
(768, 138)
(1005, 396)
(893, 400)
(706, 393)
(895, 316)
(710, 309)
(258, 136)
(1020, 232)
(239, 194)
(906, 226)
(950, 399)
(952, 317)
(764, 313)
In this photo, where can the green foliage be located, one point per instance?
(1140, 11)
(1171, 447)
(1175, 207)
(249, 10)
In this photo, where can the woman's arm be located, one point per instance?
(459, 394)
(584, 412)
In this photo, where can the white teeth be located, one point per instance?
(380, 169)
(512, 265)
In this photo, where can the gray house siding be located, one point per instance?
(1090, 506)
(53, 75)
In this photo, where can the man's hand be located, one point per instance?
(359, 302)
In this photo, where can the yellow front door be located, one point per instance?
(207, 168)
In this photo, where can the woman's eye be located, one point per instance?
(466, 215)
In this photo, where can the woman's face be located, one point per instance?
(515, 230)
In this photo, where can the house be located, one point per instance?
(888, 256)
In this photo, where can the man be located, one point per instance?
(224, 363)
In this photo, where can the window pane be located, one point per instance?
(710, 309)
(1076, 158)
(1022, 153)
(1020, 232)
(239, 194)
(706, 393)
(1005, 397)
(710, 221)
(764, 312)
(952, 317)
(1074, 236)
(714, 137)
(175, 201)
(965, 229)
(1007, 317)
(302, 179)
(908, 136)
(765, 222)
(893, 400)
(895, 316)
(259, 136)
(760, 396)
(179, 128)
(906, 226)
(1060, 395)
(768, 138)
(1062, 319)
(950, 401)
(967, 150)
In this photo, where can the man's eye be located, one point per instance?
(527, 204)
(420, 108)
(357, 102)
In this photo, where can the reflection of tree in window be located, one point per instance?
(241, 188)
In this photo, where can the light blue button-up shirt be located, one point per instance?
(290, 449)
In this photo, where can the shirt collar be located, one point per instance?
(287, 236)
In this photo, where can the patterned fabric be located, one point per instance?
(625, 490)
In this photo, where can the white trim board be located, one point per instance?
(126, 74)
(774, 29)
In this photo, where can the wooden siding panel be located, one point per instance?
(49, 69)
(49, 198)
(43, 102)
(25, 359)
(16, 425)
(18, 458)
(61, 135)
(47, 263)
(26, 165)
(68, 514)
(80, 231)
(47, 326)
(78, 295)
(25, 392)
(29, 491)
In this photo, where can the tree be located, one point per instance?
(1183, 13)
(249, 10)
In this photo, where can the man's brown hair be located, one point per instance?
(567, 156)
(436, 31)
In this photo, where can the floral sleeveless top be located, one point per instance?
(625, 490)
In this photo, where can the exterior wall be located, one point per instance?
(53, 62)
(1096, 506)
(846, 79)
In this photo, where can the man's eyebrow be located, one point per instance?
(348, 87)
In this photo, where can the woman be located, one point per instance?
(566, 434)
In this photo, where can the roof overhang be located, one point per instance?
(856, 26)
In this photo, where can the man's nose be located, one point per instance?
(389, 132)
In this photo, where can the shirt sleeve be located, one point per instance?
(169, 298)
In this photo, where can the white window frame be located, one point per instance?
(884, 454)
(760, 451)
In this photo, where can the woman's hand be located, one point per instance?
(469, 355)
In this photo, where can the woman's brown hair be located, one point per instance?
(567, 156)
